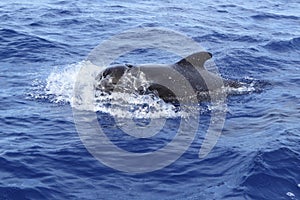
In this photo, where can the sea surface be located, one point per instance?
(44, 44)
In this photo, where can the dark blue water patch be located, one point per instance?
(19, 169)
(59, 12)
(199, 174)
(29, 174)
(153, 143)
(240, 63)
(271, 173)
(137, 145)
(5, 17)
(117, 6)
(149, 24)
(291, 137)
(19, 47)
(222, 37)
(8, 33)
(266, 16)
(228, 5)
(14, 193)
(222, 11)
(60, 2)
(283, 46)
(147, 55)
(39, 24)
(75, 23)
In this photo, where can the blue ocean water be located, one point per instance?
(42, 46)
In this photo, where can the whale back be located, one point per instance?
(161, 78)
(192, 68)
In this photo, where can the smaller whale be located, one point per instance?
(190, 68)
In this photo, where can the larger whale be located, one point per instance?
(162, 80)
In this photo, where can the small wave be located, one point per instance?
(17, 46)
(228, 6)
(263, 180)
(18, 193)
(284, 45)
(264, 16)
(229, 37)
(8, 32)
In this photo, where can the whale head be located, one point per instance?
(109, 78)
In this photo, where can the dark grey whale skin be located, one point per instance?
(191, 68)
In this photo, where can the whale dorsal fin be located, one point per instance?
(196, 59)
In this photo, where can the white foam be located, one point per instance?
(125, 105)
(244, 88)
(61, 81)
(290, 194)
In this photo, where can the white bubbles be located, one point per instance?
(126, 105)
(242, 89)
(58, 87)
(290, 194)
(60, 83)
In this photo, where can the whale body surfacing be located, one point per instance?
(162, 80)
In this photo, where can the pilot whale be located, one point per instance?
(162, 80)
